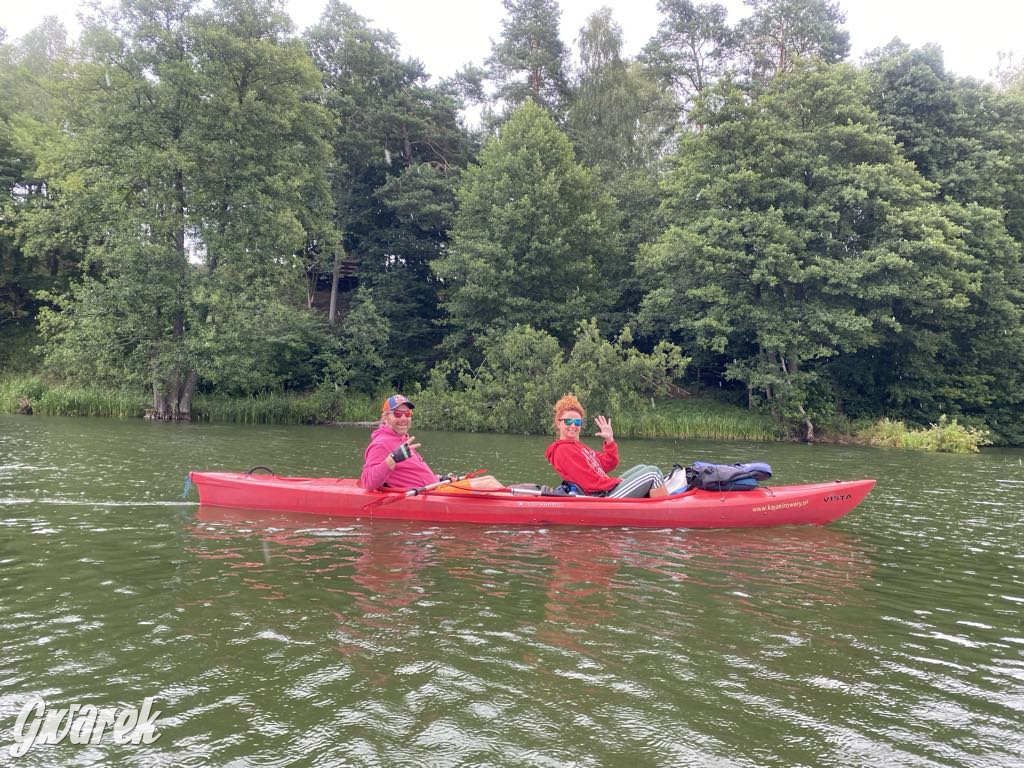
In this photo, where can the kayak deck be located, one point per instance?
(809, 504)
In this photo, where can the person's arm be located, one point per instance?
(609, 457)
(376, 467)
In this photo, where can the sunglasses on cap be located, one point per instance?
(573, 422)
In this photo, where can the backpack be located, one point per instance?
(726, 477)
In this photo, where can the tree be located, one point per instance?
(778, 32)
(529, 62)
(619, 119)
(966, 363)
(360, 70)
(398, 149)
(692, 48)
(798, 234)
(32, 71)
(360, 363)
(531, 234)
(959, 133)
(620, 122)
(193, 136)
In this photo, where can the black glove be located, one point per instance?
(401, 453)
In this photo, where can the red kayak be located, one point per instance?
(811, 504)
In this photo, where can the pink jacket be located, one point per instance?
(411, 473)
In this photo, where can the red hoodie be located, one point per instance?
(584, 466)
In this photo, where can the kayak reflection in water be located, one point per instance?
(391, 458)
(587, 469)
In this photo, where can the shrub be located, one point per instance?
(524, 372)
(948, 436)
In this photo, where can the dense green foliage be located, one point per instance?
(532, 231)
(948, 436)
(202, 206)
(524, 371)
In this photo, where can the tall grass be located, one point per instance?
(700, 419)
(322, 406)
(21, 392)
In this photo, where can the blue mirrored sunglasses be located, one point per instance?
(573, 422)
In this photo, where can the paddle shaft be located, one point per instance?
(422, 489)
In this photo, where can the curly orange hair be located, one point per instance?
(568, 402)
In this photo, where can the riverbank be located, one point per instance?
(697, 418)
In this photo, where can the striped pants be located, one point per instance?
(636, 482)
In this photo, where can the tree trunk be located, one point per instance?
(172, 396)
(332, 312)
(311, 280)
(188, 389)
(790, 367)
(808, 426)
(339, 262)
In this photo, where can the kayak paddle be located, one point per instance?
(393, 497)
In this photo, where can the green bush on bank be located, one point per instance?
(524, 371)
(948, 436)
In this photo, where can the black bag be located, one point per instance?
(726, 477)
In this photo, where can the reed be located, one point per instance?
(322, 406)
(697, 419)
(32, 394)
(14, 390)
(24, 394)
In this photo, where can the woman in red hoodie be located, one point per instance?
(588, 469)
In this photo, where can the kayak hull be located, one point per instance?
(810, 504)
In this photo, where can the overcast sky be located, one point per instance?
(445, 34)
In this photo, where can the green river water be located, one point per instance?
(894, 637)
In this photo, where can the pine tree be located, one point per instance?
(530, 60)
